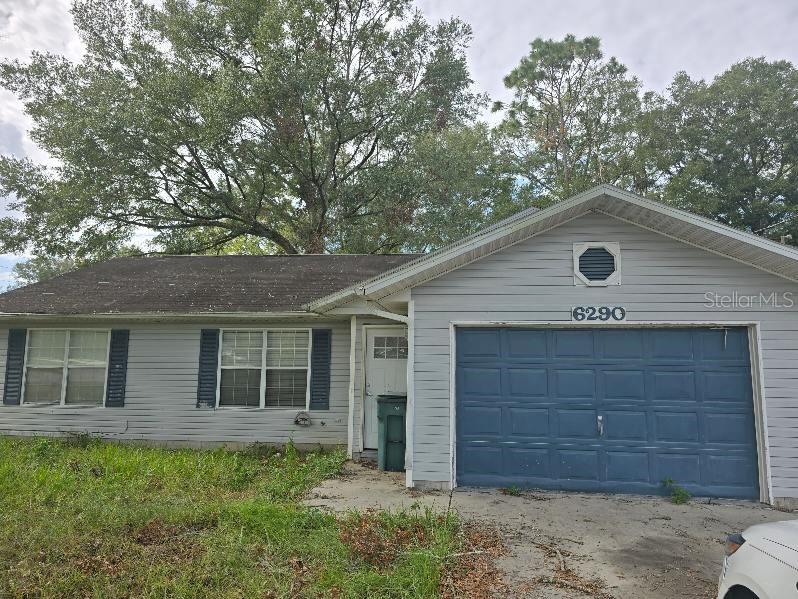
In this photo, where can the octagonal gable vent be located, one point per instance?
(596, 264)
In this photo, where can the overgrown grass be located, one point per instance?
(97, 519)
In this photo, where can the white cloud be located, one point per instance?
(654, 39)
(25, 26)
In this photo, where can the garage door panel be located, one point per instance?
(526, 344)
(674, 403)
(577, 424)
(528, 382)
(578, 464)
(626, 466)
(727, 386)
(623, 425)
(671, 427)
(622, 344)
(729, 428)
(478, 343)
(667, 344)
(481, 420)
(528, 462)
(723, 469)
(683, 468)
(529, 422)
(570, 344)
(725, 345)
(481, 381)
(482, 460)
(624, 384)
(574, 383)
(668, 385)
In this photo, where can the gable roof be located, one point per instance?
(678, 224)
(197, 284)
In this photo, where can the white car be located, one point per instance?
(761, 563)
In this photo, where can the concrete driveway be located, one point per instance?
(577, 545)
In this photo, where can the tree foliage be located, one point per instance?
(264, 126)
(728, 149)
(296, 122)
(40, 268)
(571, 123)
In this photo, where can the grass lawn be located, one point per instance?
(84, 518)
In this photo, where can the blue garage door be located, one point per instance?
(606, 409)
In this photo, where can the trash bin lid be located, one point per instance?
(393, 397)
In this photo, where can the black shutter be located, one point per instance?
(208, 365)
(320, 356)
(15, 366)
(117, 369)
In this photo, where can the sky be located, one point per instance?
(654, 38)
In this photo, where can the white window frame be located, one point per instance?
(613, 247)
(64, 369)
(263, 368)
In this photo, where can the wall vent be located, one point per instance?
(597, 264)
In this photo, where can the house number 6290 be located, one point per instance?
(600, 313)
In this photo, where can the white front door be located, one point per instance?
(386, 373)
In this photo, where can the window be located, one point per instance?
(387, 348)
(241, 363)
(597, 264)
(66, 367)
(264, 369)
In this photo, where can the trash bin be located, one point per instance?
(391, 411)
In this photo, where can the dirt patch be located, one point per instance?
(624, 546)
(473, 572)
(564, 576)
(169, 541)
(92, 560)
(370, 539)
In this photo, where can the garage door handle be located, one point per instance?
(600, 425)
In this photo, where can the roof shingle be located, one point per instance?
(198, 284)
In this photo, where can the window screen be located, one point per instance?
(78, 358)
(265, 368)
(286, 388)
(287, 368)
(242, 361)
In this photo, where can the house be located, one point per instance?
(605, 343)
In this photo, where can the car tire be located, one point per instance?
(740, 593)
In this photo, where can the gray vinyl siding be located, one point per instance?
(161, 397)
(3, 354)
(662, 280)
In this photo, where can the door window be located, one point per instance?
(390, 348)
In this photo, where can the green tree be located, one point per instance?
(293, 122)
(571, 123)
(728, 149)
(460, 185)
(40, 268)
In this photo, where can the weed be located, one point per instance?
(81, 439)
(679, 495)
(512, 490)
(88, 518)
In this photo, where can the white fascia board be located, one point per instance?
(710, 225)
